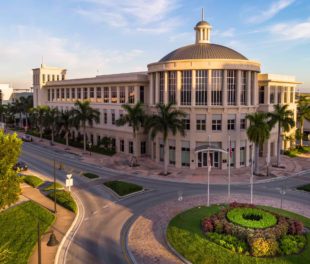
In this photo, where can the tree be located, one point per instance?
(3, 110)
(134, 117)
(285, 120)
(303, 113)
(18, 107)
(26, 105)
(84, 114)
(165, 121)
(258, 132)
(38, 116)
(10, 148)
(66, 123)
(51, 120)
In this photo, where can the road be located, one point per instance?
(103, 218)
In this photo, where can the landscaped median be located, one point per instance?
(225, 234)
(90, 175)
(18, 234)
(305, 188)
(34, 181)
(65, 199)
(123, 188)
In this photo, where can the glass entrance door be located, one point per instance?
(203, 159)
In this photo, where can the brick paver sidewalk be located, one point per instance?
(64, 219)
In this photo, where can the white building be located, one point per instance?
(5, 93)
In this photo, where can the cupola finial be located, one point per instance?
(202, 14)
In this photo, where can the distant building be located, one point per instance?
(5, 93)
(216, 86)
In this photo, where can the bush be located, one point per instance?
(262, 247)
(251, 217)
(51, 187)
(64, 199)
(90, 175)
(230, 242)
(292, 244)
(207, 225)
(32, 180)
(295, 227)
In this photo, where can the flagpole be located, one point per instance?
(229, 151)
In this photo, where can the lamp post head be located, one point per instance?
(52, 240)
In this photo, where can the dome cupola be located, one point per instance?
(203, 30)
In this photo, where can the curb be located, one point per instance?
(124, 240)
(56, 261)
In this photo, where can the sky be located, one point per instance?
(91, 37)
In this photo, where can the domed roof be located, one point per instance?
(202, 23)
(203, 51)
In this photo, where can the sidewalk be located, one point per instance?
(150, 169)
(64, 219)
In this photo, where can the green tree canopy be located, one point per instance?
(10, 148)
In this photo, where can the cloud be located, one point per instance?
(292, 31)
(271, 11)
(25, 52)
(141, 15)
(228, 33)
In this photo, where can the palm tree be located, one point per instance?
(134, 117)
(26, 105)
(51, 120)
(303, 113)
(285, 120)
(3, 109)
(38, 115)
(66, 123)
(84, 114)
(258, 132)
(166, 120)
(18, 107)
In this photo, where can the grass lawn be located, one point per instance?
(65, 199)
(123, 188)
(34, 181)
(304, 188)
(90, 175)
(297, 151)
(185, 235)
(50, 187)
(19, 230)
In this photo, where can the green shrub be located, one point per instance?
(228, 241)
(34, 181)
(90, 175)
(292, 244)
(64, 199)
(123, 188)
(50, 187)
(263, 247)
(251, 217)
(304, 188)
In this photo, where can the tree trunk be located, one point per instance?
(301, 132)
(165, 158)
(279, 145)
(26, 121)
(256, 164)
(41, 132)
(84, 137)
(20, 120)
(134, 161)
(67, 139)
(52, 135)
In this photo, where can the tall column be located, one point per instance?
(249, 87)
(282, 88)
(209, 96)
(126, 94)
(255, 89)
(193, 88)
(156, 91)
(267, 94)
(136, 92)
(238, 94)
(178, 88)
(151, 90)
(165, 87)
(224, 88)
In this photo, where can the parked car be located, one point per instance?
(27, 138)
(20, 166)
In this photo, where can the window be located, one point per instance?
(62, 93)
(272, 94)
(201, 122)
(242, 153)
(62, 77)
(231, 122)
(113, 117)
(187, 122)
(172, 153)
(201, 87)
(161, 152)
(43, 76)
(232, 153)
(113, 95)
(216, 89)
(121, 145)
(252, 87)
(154, 88)
(131, 94)
(292, 95)
(285, 95)
(261, 95)
(85, 95)
(92, 92)
(185, 154)
(105, 117)
(216, 122)
(231, 87)
(172, 84)
(143, 147)
(53, 77)
(48, 94)
(122, 96)
(67, 93)
(48, 77)
(279, 94)
(106, 94)
(161, 87)
(130, 147)
(186, 88)
(98, 92)
(242, 123)
(142, 94)
(243, 95)
(53, 94)
(78, 93)
(57, 77)
(57, 93)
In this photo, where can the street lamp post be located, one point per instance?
(229, 149)
(39, 244)
(54, 171)
(89, 145)
(282, 192)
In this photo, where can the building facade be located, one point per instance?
(214, 85)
